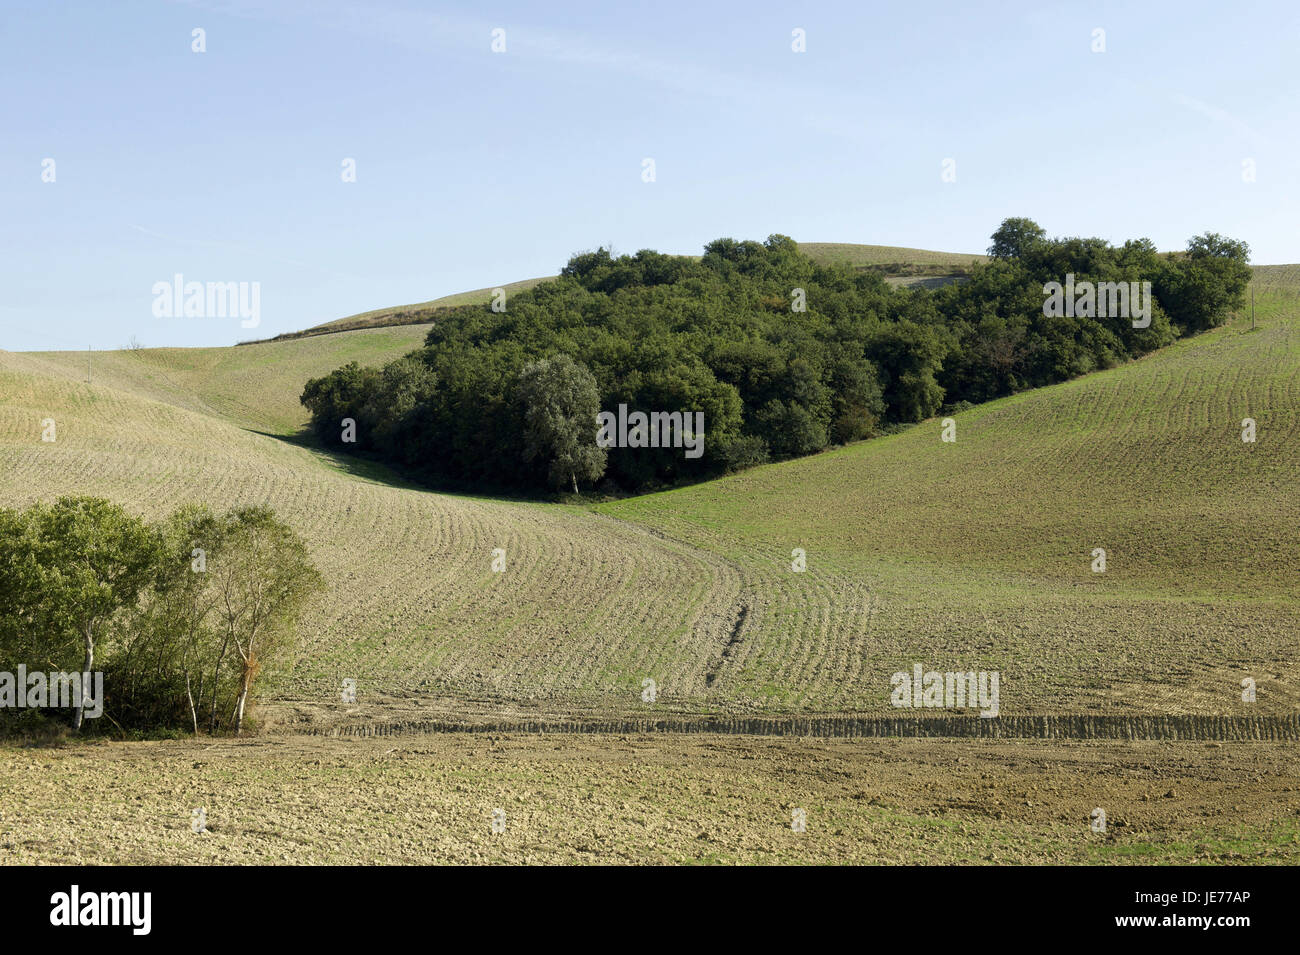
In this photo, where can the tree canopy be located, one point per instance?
(783, 356)
(178, 618)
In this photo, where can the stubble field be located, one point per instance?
(650, 799)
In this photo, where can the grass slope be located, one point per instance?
(977, 554)
(823, 252)
(422, 312)
(252, 386)
(830, 253)
(586, 607)
(972, 555)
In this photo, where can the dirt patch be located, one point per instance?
(649, 798)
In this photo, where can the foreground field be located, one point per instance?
(655, 799)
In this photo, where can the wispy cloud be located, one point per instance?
(1219, 115)
(471, 36)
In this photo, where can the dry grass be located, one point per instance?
(252, 386)
(876, 255)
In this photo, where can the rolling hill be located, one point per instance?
(904, 266)
(970, 555)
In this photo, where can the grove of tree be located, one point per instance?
(784, 356)
(180, 617)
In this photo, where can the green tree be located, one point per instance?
(171, 651)
(1200, 288)
(560, 402)
(341, 394)
(1015, 237)
(90, 561)
(910, 355)
(18, 582)
(262, 580)
(781, 354)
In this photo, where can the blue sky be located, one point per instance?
(477, 168)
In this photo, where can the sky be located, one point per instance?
(477, 166)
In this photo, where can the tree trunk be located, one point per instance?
(575, 481)
(89, 662)
(243, 698)
(194, 716)
(189, 692)
(216, 684)
(198, 696)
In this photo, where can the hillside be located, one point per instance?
(861, 256)
(413, 314)
(252, 386)
(906, 267)
(412, 603)
(977, 554)
(973, 555)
